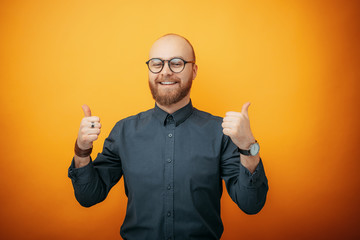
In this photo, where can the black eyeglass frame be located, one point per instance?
(163, 64)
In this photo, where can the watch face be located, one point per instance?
(254, 149)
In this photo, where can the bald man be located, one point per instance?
(172, 157)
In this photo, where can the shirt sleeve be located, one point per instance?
(247, 190)
(93, 182)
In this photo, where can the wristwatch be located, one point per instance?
(252, 151)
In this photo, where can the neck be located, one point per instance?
(176, 106)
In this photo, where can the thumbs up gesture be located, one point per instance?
(236, 125)
(89, 129)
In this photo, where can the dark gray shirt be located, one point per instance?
(172, 166)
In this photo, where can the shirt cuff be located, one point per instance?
(254, 179)
(81, 175)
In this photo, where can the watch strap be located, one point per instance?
(246, 152)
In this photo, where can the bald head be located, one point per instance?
(172, 45)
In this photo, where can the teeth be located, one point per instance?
(167, 83)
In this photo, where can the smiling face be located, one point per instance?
(167, 87)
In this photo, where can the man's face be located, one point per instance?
(167, 87)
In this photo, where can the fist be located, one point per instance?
(89, 129)
(236, 125)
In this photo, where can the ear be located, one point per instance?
(194, 70)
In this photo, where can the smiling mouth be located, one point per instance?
(168, 83)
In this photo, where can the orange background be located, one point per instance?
(296, 61)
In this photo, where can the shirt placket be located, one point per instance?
(169, 178)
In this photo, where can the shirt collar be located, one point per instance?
(179, 116)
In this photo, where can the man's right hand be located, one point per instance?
(87, 135)
(89, 129)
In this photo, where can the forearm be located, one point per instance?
(248, 190)
(251, 199)
(81, 161)
(250, 162)
(88, 187)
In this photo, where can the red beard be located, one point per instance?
(167, 97)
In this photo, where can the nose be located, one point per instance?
(166, 70)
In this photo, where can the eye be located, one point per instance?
(156, 63)
(176, 63)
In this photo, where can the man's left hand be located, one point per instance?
(236, 125)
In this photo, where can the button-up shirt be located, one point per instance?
(173, 166)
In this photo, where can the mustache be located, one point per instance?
(167, 79)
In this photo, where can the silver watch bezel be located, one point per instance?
(254, 149)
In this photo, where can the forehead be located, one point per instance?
(171, 46)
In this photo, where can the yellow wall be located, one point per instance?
(296, 61)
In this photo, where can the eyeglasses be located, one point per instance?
(176, 65)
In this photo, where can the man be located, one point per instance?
(172, 157)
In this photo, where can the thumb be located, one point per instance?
(245, 109)
(87, 111)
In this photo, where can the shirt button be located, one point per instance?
(169, 187)
(169, 160)
(169, 214)
(170, 135)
